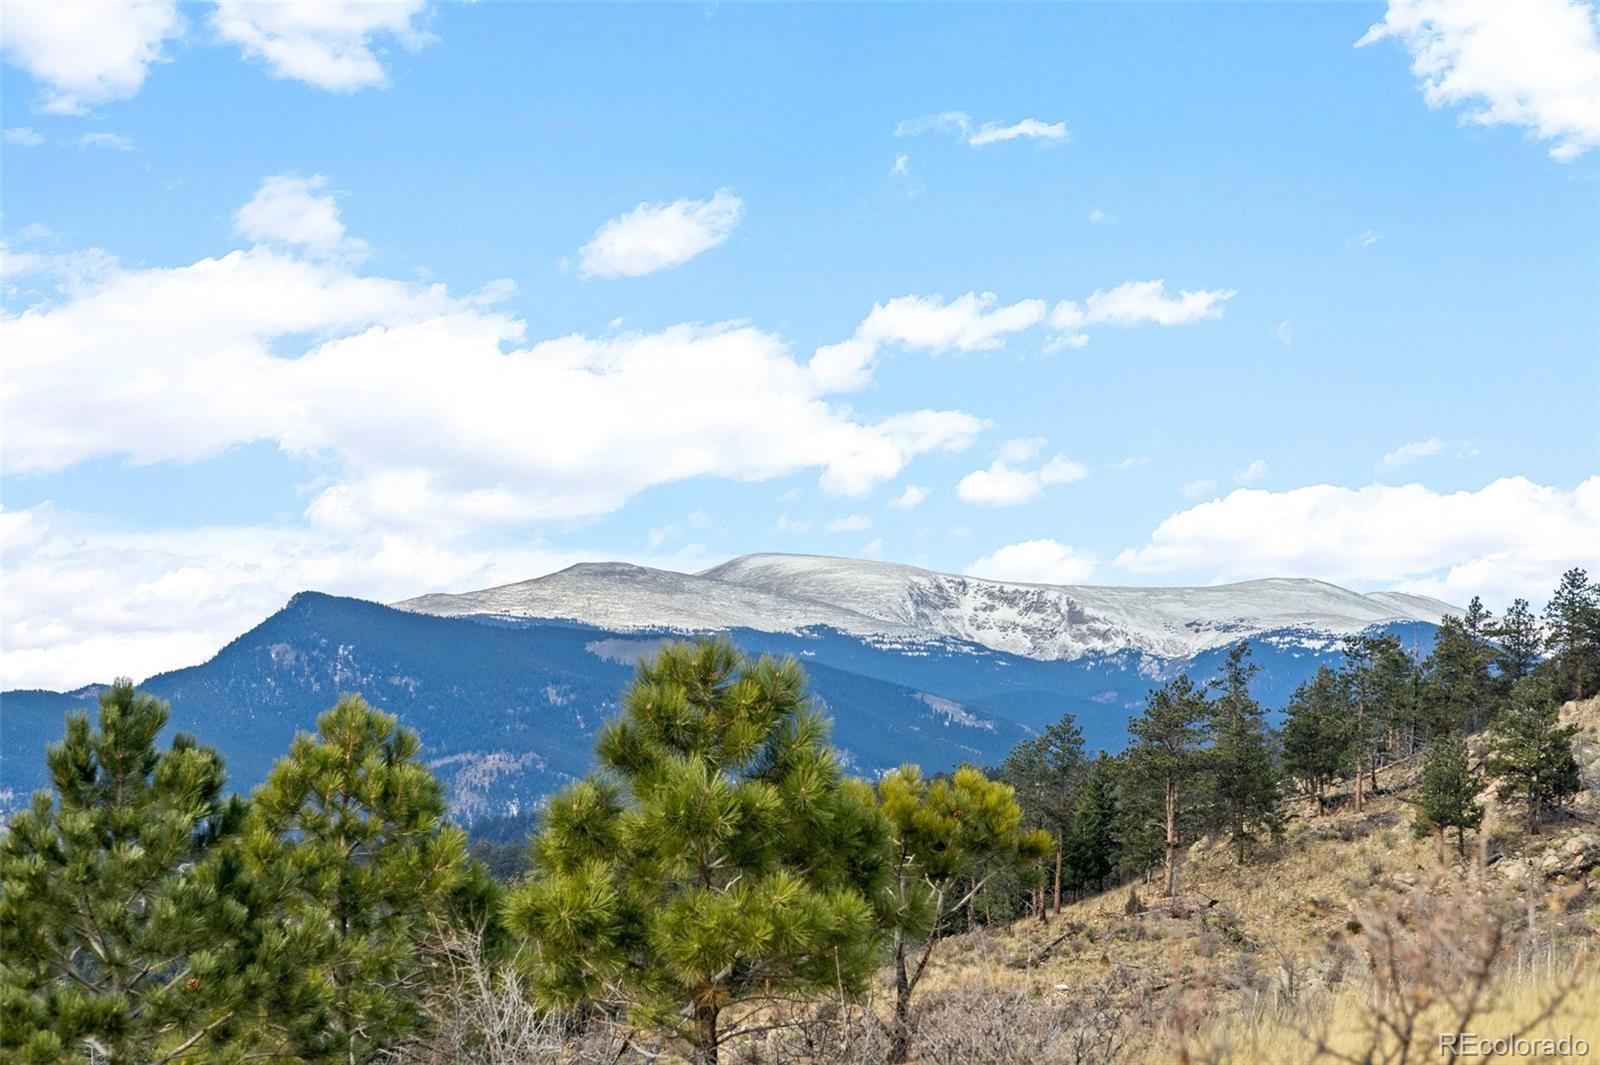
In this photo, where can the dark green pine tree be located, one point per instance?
(1090, 849)
(1165, 758)
(1395, 684)
(1458, 692)
(121, 937)
(353, 827)
(1043, 772)
(1139, 828)
(1573, 619)
(1244, 781)
(1519, 642)
(1317, 734)
(944, 833)
(1530, 752)
(718, 858)
(1447, 797)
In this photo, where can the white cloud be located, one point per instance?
(1251, 473)
(901, 167)
(658, 236)
(1201, 487)
(1406, 454)
(461, 422)
(1134, 303)
(913, 496)
(1285, 333)
(1510, 538)
(974, 322)
(960, 123)
(24, 137)
(1131, 462)
(849, 523)
(1097, 217)
(289, 210)
(85, 604)
(1003, 484)
(331, 44)
(1368, 238)
(979, 322)
(87, 54)
(116, 141)
(1036, 562)
(1030, 128)
(1506, 62)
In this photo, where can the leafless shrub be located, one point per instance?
(482, 1015)
(1006, 1027)
(1434, 956)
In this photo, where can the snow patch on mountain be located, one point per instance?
(907, 608)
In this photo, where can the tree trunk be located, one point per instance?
(1170, 870)
(1058, 872)
(706, 1035)
(1360, 779)
(900, 1034)
(1461, 841)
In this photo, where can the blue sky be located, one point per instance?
(391, 299)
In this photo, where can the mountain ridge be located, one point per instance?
(776, 592)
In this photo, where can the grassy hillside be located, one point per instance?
(1350, 922)
(1350, 940)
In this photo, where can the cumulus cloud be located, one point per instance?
(1036, 562)
(461, 422)
(1506, 62)
(24, 137)
(913, 496)
(294, 210)
(961, 125)
(331, 44)
(88, 54)
(1510, 538)
(1005, 484)
(659, 236)
(1201, 486)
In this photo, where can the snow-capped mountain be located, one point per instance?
(788, 593)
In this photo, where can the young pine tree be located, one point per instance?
(1244, 782)
(1573, 619)
(353, 827)
(963, 830)
(1520, 641)
(122, 940)
(1166, 756)
(717, 859)
(1317, 734)
(1531, 751)
(1044, 772)
(1090, 848)
(1447, 797)
(1459, 693)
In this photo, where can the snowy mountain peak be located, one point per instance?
(783, 593)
